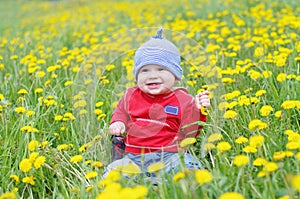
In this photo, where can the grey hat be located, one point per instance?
(159, 51)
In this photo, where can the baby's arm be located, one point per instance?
(202, 99)
(117, 128)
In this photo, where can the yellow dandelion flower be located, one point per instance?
(240, 160)
(298, 156)
(254, 100)
(281, 77)
(279, 155)
(25, 165)
(241, 140)
(44, 144)
(1, 97)
(259, 162)
(139, 191)
(187, 141)
(68, 116)
(15, 178)
(228, 80)
(98, 111)
(76, 158)
(62, 147)
(29, 129)
(85, 146)
(231, 105)
(278, 114)
(261, 174)
(91, 174)
(296, 182)
(38, 90)
(257, 124)
(254, 74)
(41, 74)
(203, 176)
(110, 67)
(230, 114)
(32, 145)
(231, 195)
(58, 117)
(178, 176)
(155, 167)
(20, 109)
(203, 110)
(80, 103)
(113, 175)
(130, 168)
(223, 105)
(284, 197)
(29, 113)
(22, 91)
(67, 83)
(290, 133)
(97, 137)
(29, 180)
(297, 103)
(288, 153)
(88, 162)
(291, 76)
(97, 164)
(33, 156)
(9, 194)
(89, 188)
(256, 140)
(270, 167)
(75, 69)
(250, 149)
(214, 137)
(288, 104)
(98, 104)
(101, 116)
(223, 146)
(209, 146)
(267, 73)
(266, 110)
(39, 161)
(260, 93)
(293, 145)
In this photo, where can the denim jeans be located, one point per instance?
(172, 162)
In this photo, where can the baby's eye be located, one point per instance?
(161, 69)
(144, 70)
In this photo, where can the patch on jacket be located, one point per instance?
(173, 110)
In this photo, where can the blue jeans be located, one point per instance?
(172, 162)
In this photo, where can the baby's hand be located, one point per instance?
(202, 99)
(117, 128)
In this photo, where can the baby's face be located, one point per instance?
(155, 80)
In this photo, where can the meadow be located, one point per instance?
(65, 64)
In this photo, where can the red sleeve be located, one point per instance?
(121, 113)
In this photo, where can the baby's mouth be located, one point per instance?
(152, 84)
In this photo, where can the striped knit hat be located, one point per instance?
(159, 51)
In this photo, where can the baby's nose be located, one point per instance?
(153, 74)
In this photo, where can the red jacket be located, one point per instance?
(155, 123)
